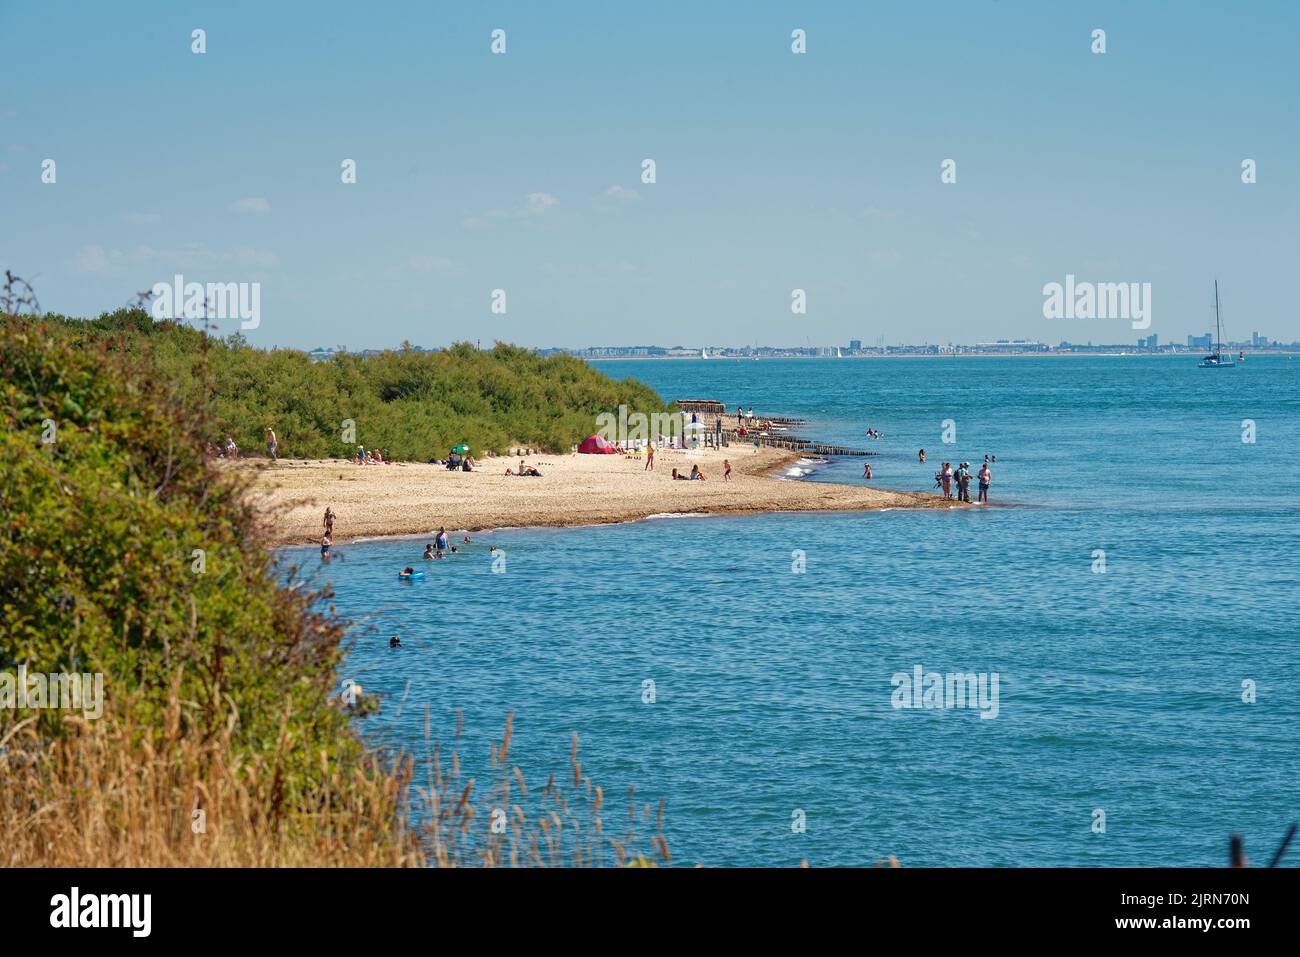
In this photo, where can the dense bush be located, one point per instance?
(124, 552)
(415, 404)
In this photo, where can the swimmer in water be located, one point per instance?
(428, 551)
(394, 642)
(406, 572)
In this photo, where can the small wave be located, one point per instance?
(678, 515)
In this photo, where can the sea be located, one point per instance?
(1124, 616)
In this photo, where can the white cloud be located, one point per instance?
(535, 205)
(616, 198)
(185, 257)
(600, 270)
(92, 259)
(251, 204)
(251, 256)
(539, 203)
(435, 264)
(880, 215)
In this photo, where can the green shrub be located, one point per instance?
(103, 530)
(415, 404)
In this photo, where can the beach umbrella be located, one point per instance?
(461, 449)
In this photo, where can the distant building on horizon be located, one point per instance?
(1012, 345)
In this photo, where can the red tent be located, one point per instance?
(596, 445)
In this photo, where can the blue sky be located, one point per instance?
(775, 171)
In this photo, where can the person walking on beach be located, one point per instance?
(986, 479)
(271, 444)
(650, 458)
(329, 520)
(726, 470)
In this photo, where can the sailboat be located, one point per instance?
(838, 354)
(1217, 359)
(704, 353)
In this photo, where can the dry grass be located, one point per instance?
(560, 824)
(102, 795)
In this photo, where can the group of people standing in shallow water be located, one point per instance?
(958, 480)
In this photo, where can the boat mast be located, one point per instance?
(1218, 332)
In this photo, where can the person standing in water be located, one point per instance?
(986, 479)
(866, 471)
(921, 455)
(440, 543)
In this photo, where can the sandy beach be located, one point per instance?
(409, 499)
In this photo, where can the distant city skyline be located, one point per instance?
(776, 174)
(854, 348)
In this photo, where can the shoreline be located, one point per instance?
(409, 499)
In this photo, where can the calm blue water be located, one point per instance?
(1119, 691)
